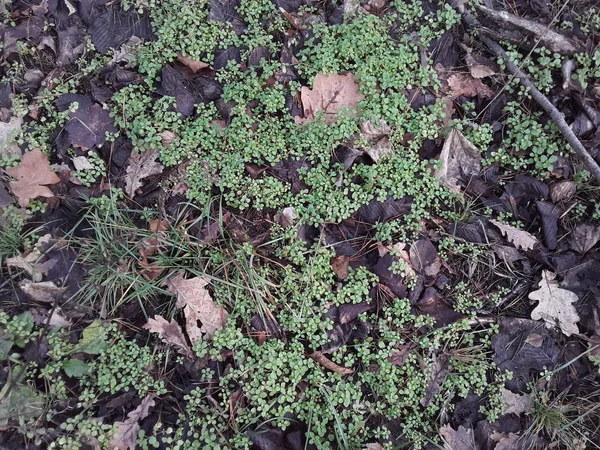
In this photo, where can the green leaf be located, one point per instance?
(93, 341)
(76, 368)
(19, 402)
(6, 344)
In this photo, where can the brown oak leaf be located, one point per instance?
(329, 94)
(141, 165)
(170, 333)
(197, 305)
(127, 431)
(466, 85)
(31, 177)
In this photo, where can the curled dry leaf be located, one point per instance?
(329, 94)
(329, 364)
(170, 333)
(563, 190)
(32, 176)
(480, 66)
(197, 305)
(141, 165)
(193, 65)
(555, 305)
(467, 86)
(520, 238)
(45, 291)
(460, 160)
(127, 431)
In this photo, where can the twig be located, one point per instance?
(540, 98)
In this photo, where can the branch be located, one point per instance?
(541, 99)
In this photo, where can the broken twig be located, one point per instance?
(540, 98)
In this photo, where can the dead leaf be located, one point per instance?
(8, 132)
(31, 177)
(555, 305)
(460, 160)
(329, 94)
(127, 432)
(439, 369)
(170, 333)
(339, 264)
(520, 238)
(167, 137)
(141, 165)
(480, 66)
(374, 446)
(424, 258)
(584, 237)
(399, 358)
(329, 364)
(193, 65)
(464, 84)
(535, 340)
(82, 163)
(505, 441)
(516, 403)
(287, 217)
(563, 190)
(197, 305)
(461, 439)
(45, 291)
(377, 137)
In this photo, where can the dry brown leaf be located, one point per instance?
(464, 84)
(193, 65)
(127, 431)
(141, 165)
(506, 441)
(31, 177)
(339, 264)
(555, 305)
(45, 291)
(197, 305)
(399, 358)
(374, 446)
(584, 237)
(480, 66)
(516, 403)
(167, 137)
(170, 333)
(377, 137)
(329, 94)
(563, 190)
(460, 439)
(520, 238)
(424, 258)
(440, 366)
(460, 159)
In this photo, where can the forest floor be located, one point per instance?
(297, 224)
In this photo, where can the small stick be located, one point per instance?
(540, 98)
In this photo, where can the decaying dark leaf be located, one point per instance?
(440, 365)
(459, 439)
(584, 237)
(127, 431)
(563, 190)
(460, 160)
(424, 258)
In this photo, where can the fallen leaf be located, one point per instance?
(32, 176)
(45, 291)
(167, 137)
(170, 333)
(82, 163)
(373, 446)
(377, 137)
(480, 66)
(424, 258)
(193, 65)
(460, 160)
(32, 264)
(339, 264)
(440, 366)
(563, 190)
(93, 340)
(141, 165)
(505, 441)
(197, 305)
(287, 217)
(520, 238)
(399, 358)
(460, 439)
(516, 403)
(8, 132)
(329, 94)
(584, 237)
(127, 431)
(555, 305)
(464, 84)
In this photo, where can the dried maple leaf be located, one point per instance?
(197, 305)
(141, 165)
(127, 431)
(460, 160)
(521, 238)
(466, 85)
(555, 305)
(31, 177)
(329, 94)
(460, 439)
(170, 333)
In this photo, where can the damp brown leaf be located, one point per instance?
(32, 177)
